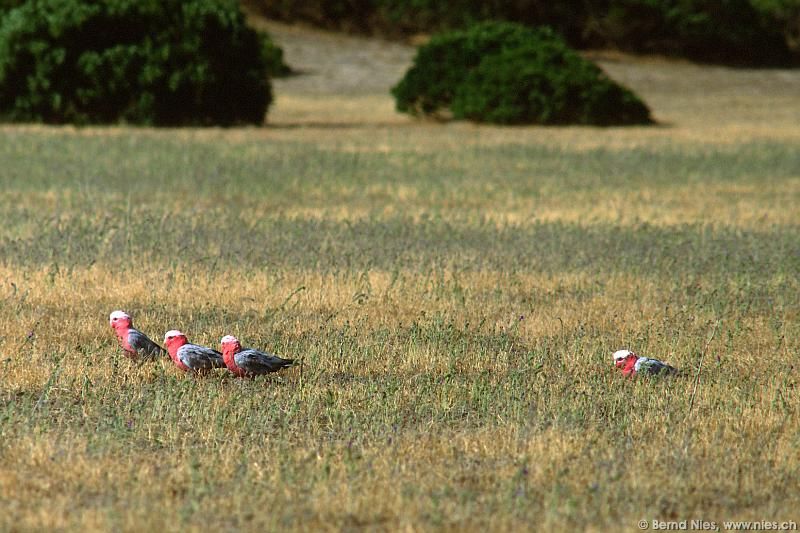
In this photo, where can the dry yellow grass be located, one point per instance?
(71, 473)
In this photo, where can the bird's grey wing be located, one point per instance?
(654, 366)
(258, 362)
(200, 358)
(143, 345)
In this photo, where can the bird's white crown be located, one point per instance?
(118, 314)
(173, 333)
(228, 339)
(621, 354)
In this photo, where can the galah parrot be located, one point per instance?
(248, 362)
(631, 364)
(191, 357)
(136, 344)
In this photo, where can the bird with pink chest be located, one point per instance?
(191, 357)
(248, 362)
(135, 344)
(631, 364)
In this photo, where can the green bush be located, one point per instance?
(273, 56)
(163, 62)
(8, 5)
(786, 15)
(443, 64)
(348, 15)
(506, 73)
(717, 31)
(404, 17)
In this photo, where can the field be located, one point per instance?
(455, 292)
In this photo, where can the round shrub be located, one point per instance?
(505, 73)
(161, 62)
(444, 63)
(524, 86)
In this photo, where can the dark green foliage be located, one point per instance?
(751, 32)
(443, 64)
(723, 31)
(8, 5)
(404, 17)
(348, 15)
(786, 16)
(273, 55)
(509, 74)
(545, 85)
(170, 62)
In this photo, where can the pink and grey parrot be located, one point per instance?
(191, 357)
(631, 364)
(248, 362)
(136, 344)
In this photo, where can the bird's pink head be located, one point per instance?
(621, 357)
(120, 319)
(174, 339)
(230, 344)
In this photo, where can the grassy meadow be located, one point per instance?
(455, 293)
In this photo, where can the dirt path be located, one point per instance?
(334, 64)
